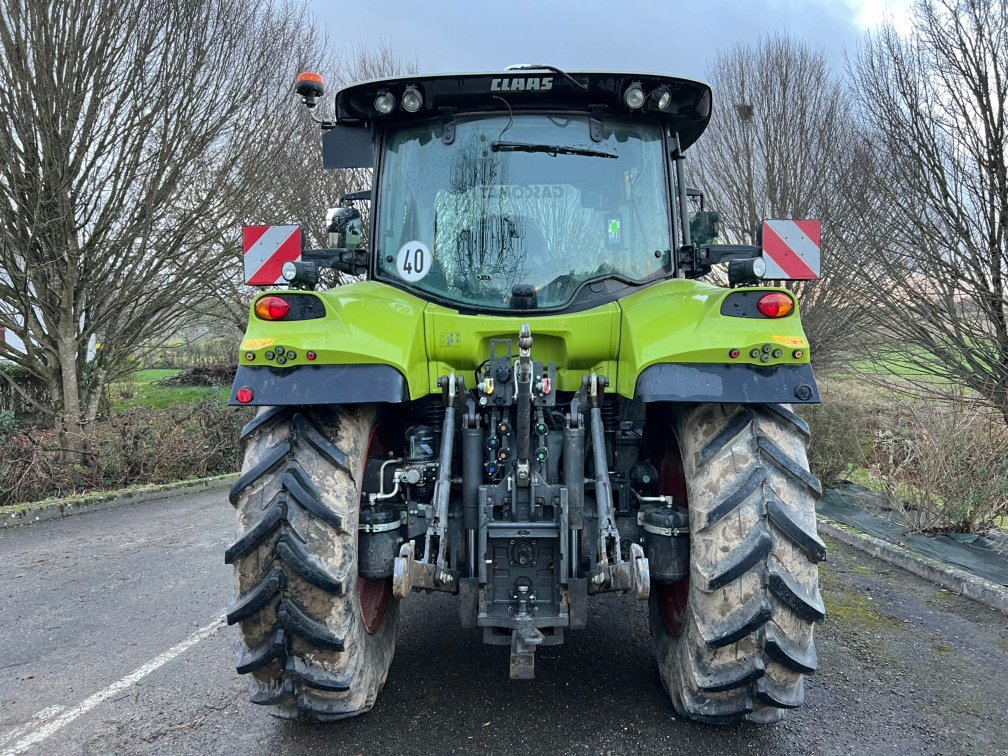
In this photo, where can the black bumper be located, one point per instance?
(320, 384)
(731, 384)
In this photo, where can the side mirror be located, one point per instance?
(344, 227)
(705, 227)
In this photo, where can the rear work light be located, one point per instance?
(272, 308)
(775, 305)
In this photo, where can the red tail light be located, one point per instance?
(272, 308)
(775, 305)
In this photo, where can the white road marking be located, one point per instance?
(43, 732)
(40, 718)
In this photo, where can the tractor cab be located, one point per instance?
(533, 190)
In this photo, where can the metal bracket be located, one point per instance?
(595, 122)
(402, 573)
(410, 575)
(385, 527)
(523, 645)
(447, 125)
(632, 576)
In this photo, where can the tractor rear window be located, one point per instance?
(523, 204)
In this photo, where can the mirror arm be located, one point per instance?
(680, 174)
(361, 196)
(352, 261)
(697, 261)
(712, 254)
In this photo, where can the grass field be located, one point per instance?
(146, 391)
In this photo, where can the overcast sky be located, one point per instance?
(662, 36)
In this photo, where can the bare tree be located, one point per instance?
(286, 181)
(782, 144)
(123, 127)
(935, 105)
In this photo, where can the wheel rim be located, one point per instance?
(372, 595)
(673, 598)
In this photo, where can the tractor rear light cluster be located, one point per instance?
(272, 308)
(775, 305)
(757, 303)
(290, 306)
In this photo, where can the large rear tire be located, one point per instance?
(735, 640)
(317, 639)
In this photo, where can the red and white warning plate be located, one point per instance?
(792, 249)
(266, 249)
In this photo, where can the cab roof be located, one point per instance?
(686, 110)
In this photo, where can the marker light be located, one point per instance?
(798, 354)
(385, 102)
(734, 354)
(412, 100)
(244, 395)
(775, 305)
(311, 356)
(272, 308)
(310, 86)
(634, 96)
(250, 356)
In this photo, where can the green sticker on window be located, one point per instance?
(614, 231)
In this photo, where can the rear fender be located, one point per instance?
(690, 341)
(366, 344)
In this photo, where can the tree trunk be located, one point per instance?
(70, 421)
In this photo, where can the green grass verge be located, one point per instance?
(146, 391)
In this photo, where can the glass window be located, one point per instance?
(528, 200)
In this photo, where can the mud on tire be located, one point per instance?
(744, 639)
(306, 646)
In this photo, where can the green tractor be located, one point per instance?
(526, 398)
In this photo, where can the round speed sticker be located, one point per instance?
(414, 261)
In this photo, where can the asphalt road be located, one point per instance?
(112, 643)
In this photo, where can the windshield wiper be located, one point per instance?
(549, 149)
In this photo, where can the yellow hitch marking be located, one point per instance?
(258, 343)
(794, 341)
